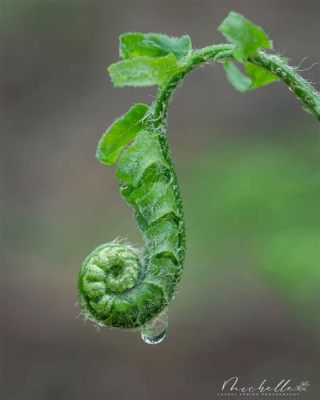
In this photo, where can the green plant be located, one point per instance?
(118, 285)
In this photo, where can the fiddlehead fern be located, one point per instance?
(118, 285)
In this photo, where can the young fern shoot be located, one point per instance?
(121, 286)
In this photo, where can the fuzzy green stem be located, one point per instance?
(302, 88)
(272, 63)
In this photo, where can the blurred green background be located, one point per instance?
(248, 167)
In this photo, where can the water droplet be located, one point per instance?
(155, 330)
(154, 339)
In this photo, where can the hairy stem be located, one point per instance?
(272, 63)
(302, 88)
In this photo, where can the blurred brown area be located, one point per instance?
(228, 319)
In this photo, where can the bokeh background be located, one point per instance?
(248, 166)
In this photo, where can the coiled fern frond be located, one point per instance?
(118, 285)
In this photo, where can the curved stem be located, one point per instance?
(272, 63)
(159, 110)
(301, 87)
